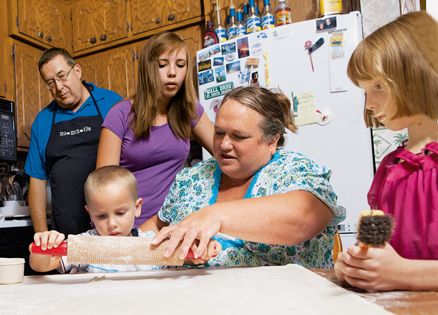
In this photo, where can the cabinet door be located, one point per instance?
(193, 39)
(42, 20)
(84, 31)
(181, 10)
(98, 22)
(146, 15)
(111, 20)
(54, 23)
(112, 69)
(31, 92)
(28, 18)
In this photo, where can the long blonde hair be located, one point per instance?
(182, 109)
(403, 56)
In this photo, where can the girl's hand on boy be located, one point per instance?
(48, 239)
(213, 249)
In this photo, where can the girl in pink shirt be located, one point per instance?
(397, 66)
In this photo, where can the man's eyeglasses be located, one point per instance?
(59, 78)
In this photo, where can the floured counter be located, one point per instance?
(289, 289)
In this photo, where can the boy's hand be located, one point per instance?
(48, 239)
(213, 249)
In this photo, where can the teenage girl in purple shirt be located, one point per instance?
(398, 69)
(150, 134)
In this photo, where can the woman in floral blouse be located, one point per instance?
(278, 205)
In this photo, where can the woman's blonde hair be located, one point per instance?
(273, 107)
(403, 56)
(181, 111)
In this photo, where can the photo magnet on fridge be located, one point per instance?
(242, 47)
(204, 65)
(220, 74)
(228, 48)
(326, 23)
(218, 61)
(233, 67)
(205, 77)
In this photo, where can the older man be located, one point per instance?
(64, 140)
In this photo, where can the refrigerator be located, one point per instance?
(307, 61)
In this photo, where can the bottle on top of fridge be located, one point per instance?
(231, 31)
(253, 20)
(240, 27)
(245, 8)
(220, 31)
(283, 13)
(267, 18)
(329, 7)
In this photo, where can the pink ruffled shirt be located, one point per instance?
(406, 186)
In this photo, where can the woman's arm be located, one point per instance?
(110, 147)
(203, 133)
(382, 269)
(284, 219)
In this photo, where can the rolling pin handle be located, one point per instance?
(61, 250)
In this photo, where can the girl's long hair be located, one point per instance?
(181, 111)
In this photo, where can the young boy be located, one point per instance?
(113, 204)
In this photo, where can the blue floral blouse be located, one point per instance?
(197, 187)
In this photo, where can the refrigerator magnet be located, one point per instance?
(218, 61)
(323, 116)
(204, 65)
(220, 74)
(326, 24)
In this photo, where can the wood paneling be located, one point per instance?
(31, 92)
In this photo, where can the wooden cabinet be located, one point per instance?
(6, 60)
(182, 10)
(42, 22)
(31, 92)
(193, 38)
(112, 69)
(98, 22)
(147, 15)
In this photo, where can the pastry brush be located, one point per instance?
(374, 229)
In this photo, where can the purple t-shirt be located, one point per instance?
(153, 161)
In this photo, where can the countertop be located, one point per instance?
(289, 289)
(397, 302)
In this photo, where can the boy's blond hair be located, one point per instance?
(111, 174)
(403, 56)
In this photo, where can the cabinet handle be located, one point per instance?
(40, 34)
(93, 40)
(171, 17)
(158, 20)
(103, 37)
(49, 38)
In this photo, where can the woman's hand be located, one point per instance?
(201, 225)
(371, 269)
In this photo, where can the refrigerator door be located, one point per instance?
(308, 63)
